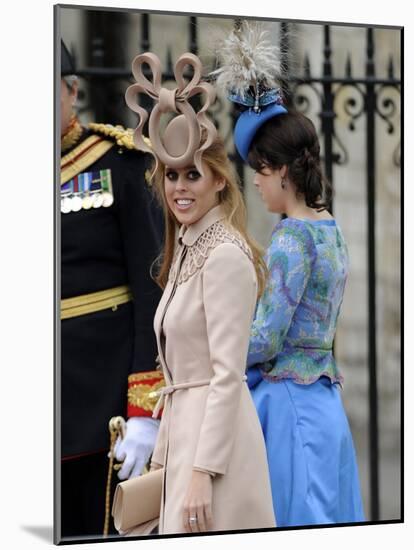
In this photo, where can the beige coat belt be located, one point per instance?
(165, 391)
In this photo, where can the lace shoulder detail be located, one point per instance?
(198, 253)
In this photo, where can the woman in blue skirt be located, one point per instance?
(292, 373)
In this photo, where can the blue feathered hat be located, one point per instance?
(250, 75)
(250, 121)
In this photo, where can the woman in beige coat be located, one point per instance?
(210, 442)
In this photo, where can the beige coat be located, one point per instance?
(202, 326)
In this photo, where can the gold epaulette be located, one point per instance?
(124, 137)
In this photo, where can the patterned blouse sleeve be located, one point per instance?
(289, 260)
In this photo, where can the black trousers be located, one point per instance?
(83, 490)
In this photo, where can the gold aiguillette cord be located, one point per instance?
(116, 428)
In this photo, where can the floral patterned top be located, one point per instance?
(295, 320)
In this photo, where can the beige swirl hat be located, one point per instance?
(180, 146)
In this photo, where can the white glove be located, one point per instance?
(137, 445)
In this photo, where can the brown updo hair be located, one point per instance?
(290, 139)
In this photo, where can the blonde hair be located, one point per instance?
(231, 199)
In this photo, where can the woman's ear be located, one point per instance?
(220, 184)
(283, 170)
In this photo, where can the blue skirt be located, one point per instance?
(312, 461)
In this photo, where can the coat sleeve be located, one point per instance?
(289, 260)
(229, 295)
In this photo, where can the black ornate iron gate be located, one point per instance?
(107, 75)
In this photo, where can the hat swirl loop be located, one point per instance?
(175, 101)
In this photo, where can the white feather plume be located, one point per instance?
(247, 59)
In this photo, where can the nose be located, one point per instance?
(181, 183)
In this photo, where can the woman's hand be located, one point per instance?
(197, 503)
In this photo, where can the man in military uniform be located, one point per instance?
(111, 232)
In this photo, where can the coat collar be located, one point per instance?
(189, 234)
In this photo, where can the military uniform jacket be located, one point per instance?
(103, 248)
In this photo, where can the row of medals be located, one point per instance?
(75, 203)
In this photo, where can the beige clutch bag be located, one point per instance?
(137, 503)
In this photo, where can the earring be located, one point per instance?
(282, 183)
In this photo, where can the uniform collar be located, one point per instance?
(189, 234)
